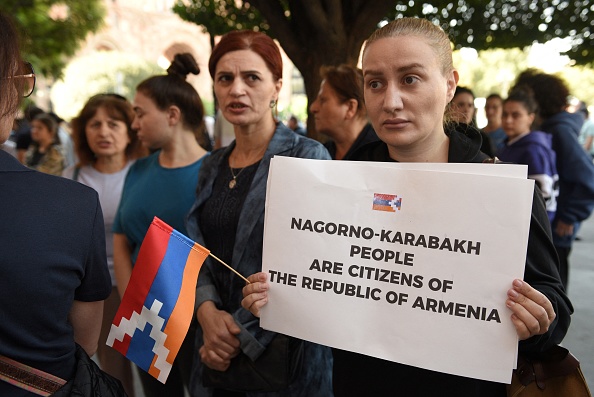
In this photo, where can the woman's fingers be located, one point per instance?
(255, 294)
(212, 360)
(532, 312)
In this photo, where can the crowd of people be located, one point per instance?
(76, 233)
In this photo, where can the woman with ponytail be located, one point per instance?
(169, 122)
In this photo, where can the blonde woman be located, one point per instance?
(409, 80)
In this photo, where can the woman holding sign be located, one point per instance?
(409, 81)
(228, 219)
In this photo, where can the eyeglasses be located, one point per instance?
(28, 76)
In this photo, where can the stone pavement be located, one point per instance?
(580, 337)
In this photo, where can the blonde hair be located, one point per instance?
(435, 36)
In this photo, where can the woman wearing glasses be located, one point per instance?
(53, 265)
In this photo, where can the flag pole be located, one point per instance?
(230, 268)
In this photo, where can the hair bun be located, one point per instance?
(182, 65)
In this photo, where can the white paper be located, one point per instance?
(489, 210)
(500, 169)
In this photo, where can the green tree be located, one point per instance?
(218, 17)
(490, 71)
(99, 72)
(51, 30)
(510, 23)
(319, 32)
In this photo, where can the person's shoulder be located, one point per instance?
(466, 143)
(306, 141)
(311, 148)
(286, 142)
(52, 185)
(563, 121)
(541, 138)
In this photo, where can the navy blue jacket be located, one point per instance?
(53, 252)
(535, 150)
(576, 172)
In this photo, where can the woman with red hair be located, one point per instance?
(228, 218)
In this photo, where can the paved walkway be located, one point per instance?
(580, 338)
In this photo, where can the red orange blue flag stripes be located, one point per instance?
(386, 202)
(158, 304)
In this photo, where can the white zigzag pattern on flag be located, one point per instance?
(139, 321)
(395, 203)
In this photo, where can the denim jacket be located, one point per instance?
(247, 260)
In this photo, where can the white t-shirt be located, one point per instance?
(109, 187)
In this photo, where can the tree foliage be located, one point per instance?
(510, 23)
(218, 17)
(319, 32)
(51, 30)
(104, 71)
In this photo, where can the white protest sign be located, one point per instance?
(421, 279)
(501, 169)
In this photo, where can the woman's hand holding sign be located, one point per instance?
(532, 312)
(255, 294)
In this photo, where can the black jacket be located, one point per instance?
(90, 381)
(366, 136)
(359, 375)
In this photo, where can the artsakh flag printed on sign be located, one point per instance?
(386, 202)
(157, 308)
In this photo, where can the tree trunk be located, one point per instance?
(322, 32)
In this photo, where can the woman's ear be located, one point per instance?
(353, 107)
(173, 115)
(278, 85)
(452, 83)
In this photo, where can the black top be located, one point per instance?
(359, 375)
(367, 135)
(219, 215)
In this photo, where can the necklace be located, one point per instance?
(233, 181)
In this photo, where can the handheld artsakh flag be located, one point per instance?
(157, 308)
